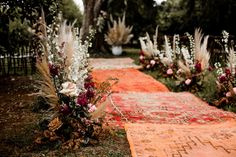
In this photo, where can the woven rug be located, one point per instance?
(130, 80)
(163, 108)
(163, 140)
(112, 63)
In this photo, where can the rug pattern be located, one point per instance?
(130, 80)
(163, 108)
(163, 140)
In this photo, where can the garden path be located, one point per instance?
(162, 123)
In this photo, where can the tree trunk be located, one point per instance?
(91, 12)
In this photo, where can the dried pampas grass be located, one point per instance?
(232, 60)
(201, 53)
(118, 34)
(148, 47)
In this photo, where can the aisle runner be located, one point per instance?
(163, 108)
(163, 140)
(162, 123)
(130, 80)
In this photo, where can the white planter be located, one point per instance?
(116, 50)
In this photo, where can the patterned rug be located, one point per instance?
(112, 63)
(163, 140)
(130, 80)
(162, 108)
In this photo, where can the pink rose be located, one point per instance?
(141, 58)
(228, 94)
(148, 66)
(188, 81)
(152, 62)
(169, 71)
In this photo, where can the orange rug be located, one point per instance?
(130, 80)
(163, 140)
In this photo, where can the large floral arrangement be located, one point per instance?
(226, 82)
(119, 33)
(186, 66)
(69, 88)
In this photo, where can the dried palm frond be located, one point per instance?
(201, 53)
(47, 87)
(118, 34)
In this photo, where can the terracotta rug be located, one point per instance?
(163, 108)
(163, 140)
(130, 80)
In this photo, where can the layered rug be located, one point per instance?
(163, 140)
(129, 80)
(160, 123)
(162, 108)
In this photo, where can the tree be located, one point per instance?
(91, 11)
(71, 12)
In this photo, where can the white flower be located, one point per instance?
(69, 89)
(188, 81)
(169, 71)
(92, 108)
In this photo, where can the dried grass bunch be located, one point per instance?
(119, 33)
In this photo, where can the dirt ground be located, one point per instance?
(19, 124)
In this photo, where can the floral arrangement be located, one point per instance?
(186, 67)
(119, 33)
(226, 82)
(77, 102)
(195, 65)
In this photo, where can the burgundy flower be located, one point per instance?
(141, 53)
(227, 72)
(54, 70)
(88, 85)
(90, 94)
(198, 67)
(210, 68)
(89, 78)
(222, 78)
(65, 109)
(82, 99)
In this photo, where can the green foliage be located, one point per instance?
(71, 12)
(213, 16)
(142, 18)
